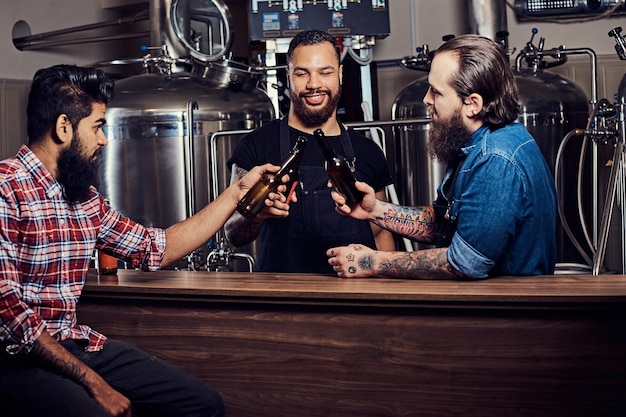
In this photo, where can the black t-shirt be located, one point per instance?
(299, 242)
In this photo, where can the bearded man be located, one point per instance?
(495, 212)
(294, 236)
(51, 220)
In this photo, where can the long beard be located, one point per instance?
(313, 117)
(76, 172)
(447, 137)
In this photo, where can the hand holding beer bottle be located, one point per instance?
(338, 171)
(254, 200)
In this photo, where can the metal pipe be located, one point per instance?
(190, 158)
(615, 180)
(422, 120)
(33, 45)
(39, 40)
(113, 62)
(557, 52)
(487, 17)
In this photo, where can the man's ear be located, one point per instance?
(474, 105)
(63, 129)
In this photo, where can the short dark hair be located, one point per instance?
(312, 37)
(484, 69)
(64, 89)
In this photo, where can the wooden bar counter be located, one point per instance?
(299, 345)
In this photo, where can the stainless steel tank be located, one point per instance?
(417, 175)
(171, 131)
(145, 164)
(551, 106)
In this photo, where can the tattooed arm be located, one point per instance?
(417, 223)
(240, 230)
(60, 360)
(355, 261)
(383, 238)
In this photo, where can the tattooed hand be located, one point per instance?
(353, 261)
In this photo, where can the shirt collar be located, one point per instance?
(39, 172)
(476, 138)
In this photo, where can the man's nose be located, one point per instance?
(428, 97)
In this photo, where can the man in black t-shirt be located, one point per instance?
(294, 237)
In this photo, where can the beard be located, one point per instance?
(313, 117)
(76, 172)
(447, 137)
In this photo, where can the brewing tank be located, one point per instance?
(150, 152)
(417, 175)
(551, 106)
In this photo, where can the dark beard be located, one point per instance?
(315, 117)
(447, 137)
(76, 173)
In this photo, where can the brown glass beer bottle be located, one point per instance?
(107, 264)
(254, 200)
(338, 170)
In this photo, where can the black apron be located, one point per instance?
(299, 242)
(447, 223)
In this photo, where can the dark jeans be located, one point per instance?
(154, 387)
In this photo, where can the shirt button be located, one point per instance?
(61, 222)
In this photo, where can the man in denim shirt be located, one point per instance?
(495, 212)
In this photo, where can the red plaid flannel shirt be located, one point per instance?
(46, 245)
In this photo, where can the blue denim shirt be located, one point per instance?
(505, 205)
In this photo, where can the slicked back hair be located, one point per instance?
(484, 69)
(64, 89)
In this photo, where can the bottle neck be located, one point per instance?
(293, 159)
(325, 146)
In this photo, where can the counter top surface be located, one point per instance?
(539, 289)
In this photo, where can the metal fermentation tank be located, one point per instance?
(417, 174)
(157, 168)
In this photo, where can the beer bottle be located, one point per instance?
(254, 200)
(107, 264)
(338, 170)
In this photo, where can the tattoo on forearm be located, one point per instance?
(240, 172)
(416, 223)
(68, 369)
(425, 264)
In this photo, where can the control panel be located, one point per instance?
(274, 19)
(566, 8)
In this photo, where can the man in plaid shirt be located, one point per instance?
(51, 219)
